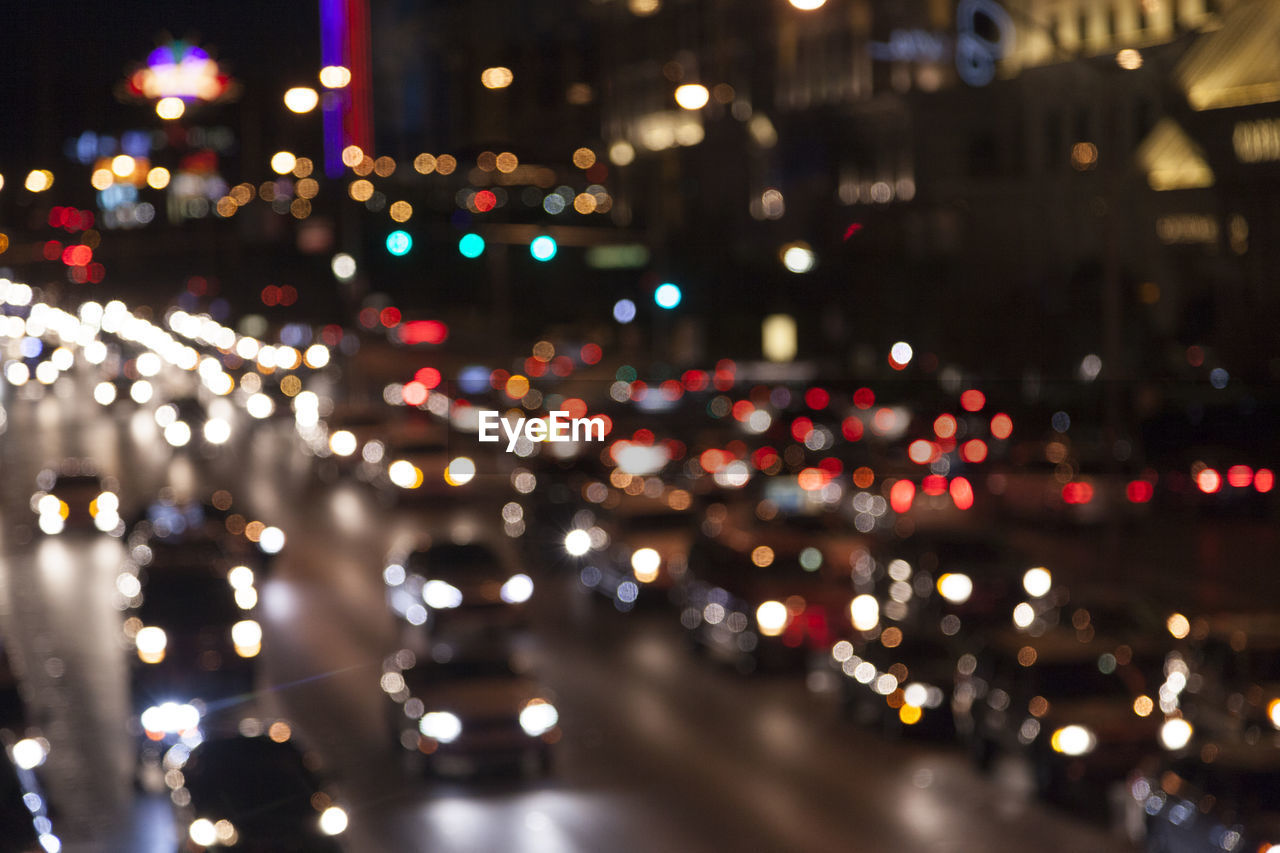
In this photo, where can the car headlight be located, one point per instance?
(343, 443)
(577, 542)
(538, 717)
(30, 753)
(240, 577)
(1273, 713)
(645, 563)
(151, 642)
(106, 502)
(170, 718)
(440, 595)
(915, 694)
(1175, 733)
(955, 587)
(246, 636)
(1073, 740)
(333, 821)
(517, 589)
(202, 832)
(49, 505)
(771, 617)
(216, 431)
(441, 726)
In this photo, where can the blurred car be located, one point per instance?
(648, 551)
(1080, 706)
(415, 468)
(1234, 661)
(470, 712)
(1225, 798)
(466, 586)
(194, 533)
(755, 597)
(256, 794)
(187, 421)
(25, 825)
(974, 578)
(75, 497)
(197, 646)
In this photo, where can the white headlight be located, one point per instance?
(259, 406)
(141, 391)
(955, 587)
(1023, 615)
(1073, 740)
(645, 563)
(28, 753)
(166, 415)
(577, 542)
(864, 612)
(246, 634)
(240, 577)
(441, 726)
(178, 434)
(104, 393)
(271, 540)
(1175, 733)
(439, 595)
(333, 821)
(202, 832)
(771, 618)
(1037, 582)
(151, 640)
(170, 718)
(517, 589)
(49, 505)
(108, 502)
(404, 474)
(915, 695)
(342, 443)
(538, 717)
(217, 431)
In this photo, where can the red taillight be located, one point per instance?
(1139, 491)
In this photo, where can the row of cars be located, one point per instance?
(235, 775)
(1112, 707)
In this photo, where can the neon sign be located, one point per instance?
(976, 52)
(179, 70)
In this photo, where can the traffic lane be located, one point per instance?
(761, 763)
(659, 748)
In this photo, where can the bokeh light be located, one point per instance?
(667, 296)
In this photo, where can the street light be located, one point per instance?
(692, 96)
(301, 99)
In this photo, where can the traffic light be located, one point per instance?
(667, 295)
(543, 248)
(399, 243)
(471, 245)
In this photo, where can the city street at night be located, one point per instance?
(640, 425)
